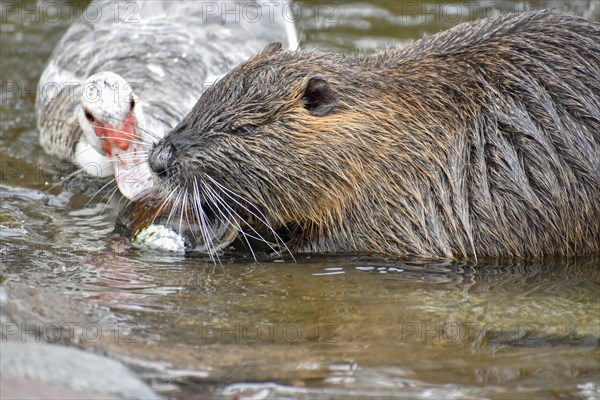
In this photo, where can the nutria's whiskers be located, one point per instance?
(247, 206)
(204, 223)
(97, 192)
(215, 198)
(152, 135)
(173, 201)
(64, 179)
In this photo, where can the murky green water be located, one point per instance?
(322, 327)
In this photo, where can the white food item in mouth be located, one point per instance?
(159, 237)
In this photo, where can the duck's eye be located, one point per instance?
(89, 116)
(244, 130)
(131, 104)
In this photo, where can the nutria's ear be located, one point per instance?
(318, 97)
(271, 49)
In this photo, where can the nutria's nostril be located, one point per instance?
(161, 158)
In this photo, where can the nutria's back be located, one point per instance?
(483, 140)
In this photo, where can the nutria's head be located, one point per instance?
(277, 139)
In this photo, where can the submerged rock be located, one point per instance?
(48, 371)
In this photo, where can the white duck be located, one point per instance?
(126, 73)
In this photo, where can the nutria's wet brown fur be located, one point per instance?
(483, 140)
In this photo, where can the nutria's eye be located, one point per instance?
(131, 104)
(244, 130)
(89, 116)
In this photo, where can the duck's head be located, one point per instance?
(110, 115)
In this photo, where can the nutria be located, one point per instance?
(483, 140)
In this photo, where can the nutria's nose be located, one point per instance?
(161, 158)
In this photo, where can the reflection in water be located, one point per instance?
(324, 327)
